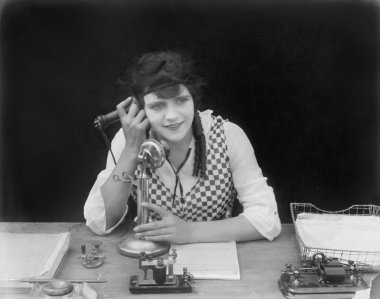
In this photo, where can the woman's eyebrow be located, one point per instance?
(156, 102)
(180, 96)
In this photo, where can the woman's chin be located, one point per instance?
(173, 139)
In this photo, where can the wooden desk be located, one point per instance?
(260, 264)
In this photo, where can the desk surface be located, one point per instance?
(260, 264)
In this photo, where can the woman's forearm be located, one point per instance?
(237, 228)
(115, 194)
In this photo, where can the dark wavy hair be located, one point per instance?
(162, 73)
(158, 70)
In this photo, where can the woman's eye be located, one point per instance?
(181, 100)
(157, 106)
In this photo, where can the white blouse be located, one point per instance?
(253, 192)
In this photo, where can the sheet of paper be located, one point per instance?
(208, 260)
(357, 235)
(29, 255)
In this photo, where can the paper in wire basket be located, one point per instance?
(352, 234)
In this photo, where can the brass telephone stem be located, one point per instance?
(143, 195)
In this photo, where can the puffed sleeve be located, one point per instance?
(257, 198)
(94, 210)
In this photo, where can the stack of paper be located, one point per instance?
(353, 237)
(208, 260)
(29, 255)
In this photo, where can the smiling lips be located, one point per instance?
(174, 126)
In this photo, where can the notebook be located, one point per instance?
(208, 260)
(29, 255)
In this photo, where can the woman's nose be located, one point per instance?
(171, 113)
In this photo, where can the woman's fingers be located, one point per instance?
(160, 238)
(155, 208)
(144, 124)
(122, 107)
(155, 225)
(169, 228)
(129, 111)
(134, 109)
(150, 226)
(154, 232)
(140, 117)
(128, 107)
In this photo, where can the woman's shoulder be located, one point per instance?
(209, 120)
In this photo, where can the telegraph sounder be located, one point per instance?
(321, 276)
(156, 276)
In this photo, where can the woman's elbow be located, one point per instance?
(276, 229)
(95, 228)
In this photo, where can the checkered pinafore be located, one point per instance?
(209, 199)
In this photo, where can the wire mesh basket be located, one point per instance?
(366, 260)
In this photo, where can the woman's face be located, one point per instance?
(171, 117)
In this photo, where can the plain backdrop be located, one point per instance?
(301, 78)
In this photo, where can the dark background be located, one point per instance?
(300, 78)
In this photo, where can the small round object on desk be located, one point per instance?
(57, 288)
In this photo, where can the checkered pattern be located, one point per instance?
(210, 198)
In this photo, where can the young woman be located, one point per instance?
(211, 162)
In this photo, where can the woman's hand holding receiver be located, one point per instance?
(170, 228)
(134, 124)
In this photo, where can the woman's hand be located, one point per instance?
(134, 124)
(170, 228)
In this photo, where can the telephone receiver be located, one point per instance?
(103, 121)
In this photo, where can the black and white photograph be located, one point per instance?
(211, 149)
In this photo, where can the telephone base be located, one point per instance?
(180, 286)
